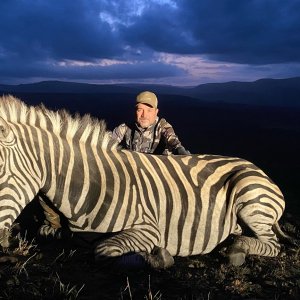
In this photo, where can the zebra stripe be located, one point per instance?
(167, 205)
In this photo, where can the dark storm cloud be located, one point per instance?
(257, 31)
(39, 38)
(250, 32)
(60, 30)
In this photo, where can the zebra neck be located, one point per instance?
(75, 172)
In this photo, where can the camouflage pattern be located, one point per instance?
(158, 138)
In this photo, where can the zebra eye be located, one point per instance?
(4, 129)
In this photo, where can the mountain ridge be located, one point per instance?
(266, 91)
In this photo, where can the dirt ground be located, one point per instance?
(65, 269)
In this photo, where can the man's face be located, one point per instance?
(145, 115)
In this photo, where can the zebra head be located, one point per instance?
(16, 188)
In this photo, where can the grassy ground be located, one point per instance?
(65, 269)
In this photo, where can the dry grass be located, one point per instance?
(64, 270)
(18, 266)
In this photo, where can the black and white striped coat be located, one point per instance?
(182, 205)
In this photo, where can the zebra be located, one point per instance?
(156, 206)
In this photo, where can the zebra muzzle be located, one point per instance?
(4, 237)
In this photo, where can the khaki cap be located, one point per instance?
(147, 98)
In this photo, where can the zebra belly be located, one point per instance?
(204, 243)
(192, 240)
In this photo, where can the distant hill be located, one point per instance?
(282, 92)
(270, 92)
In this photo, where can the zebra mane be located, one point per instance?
(60, 122)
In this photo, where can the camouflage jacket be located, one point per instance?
(158, 138)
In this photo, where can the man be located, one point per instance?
(149, 133)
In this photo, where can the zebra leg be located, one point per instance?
(238, 251)
(266, 244)
(159, 258)
(141, 238)
(134, 243)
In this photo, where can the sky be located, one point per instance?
(175, 42)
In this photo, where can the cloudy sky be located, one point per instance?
(178, 42)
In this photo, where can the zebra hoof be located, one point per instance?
(46, 231)
(165, 256)
(237, 258)
(160, 258)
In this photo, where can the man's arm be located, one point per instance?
(172, 141)
(119, 132)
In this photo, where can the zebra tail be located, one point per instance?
(285, 238)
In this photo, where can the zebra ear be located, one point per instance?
(4, 130)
